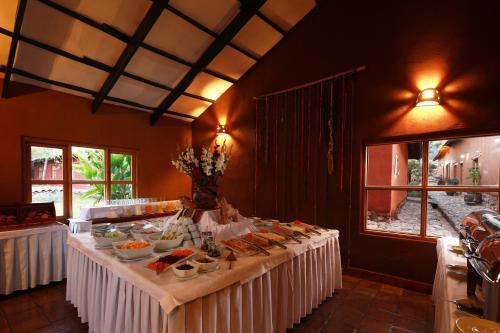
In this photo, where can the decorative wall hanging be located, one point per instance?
(300, 142)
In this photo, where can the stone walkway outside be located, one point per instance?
(408, 221)
(454, 207)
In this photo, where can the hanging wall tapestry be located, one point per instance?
(300, 138)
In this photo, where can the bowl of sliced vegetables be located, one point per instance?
(166, 241)
(133, 249)
(107, 238)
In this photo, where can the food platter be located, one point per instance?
(165, 262)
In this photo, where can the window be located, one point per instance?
(452, 177)
(75, 176)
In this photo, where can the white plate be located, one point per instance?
(121, 259)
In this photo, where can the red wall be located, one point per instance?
(41, 113)
(406, 45)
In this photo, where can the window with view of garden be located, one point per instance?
(94, 175)
(452, 177)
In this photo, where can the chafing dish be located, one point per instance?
(480, 238)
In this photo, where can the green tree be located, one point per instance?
(91, 166)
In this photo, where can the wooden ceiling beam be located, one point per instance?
(88, 91)
(140, 34)
(96, 64)
(247, 11)
(21, 8)
(208, 31)
(271, 23)
(106, 28)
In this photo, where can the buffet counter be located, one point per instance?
(260, 293)
(447, 288)
(32, 256)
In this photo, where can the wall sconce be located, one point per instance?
(221, 130)
(427, 97)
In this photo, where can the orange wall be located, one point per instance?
(401, 179)
(40, 113)
(406, 46)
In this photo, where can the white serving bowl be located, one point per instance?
(143, 234)
(132, 253)
(165, 244)
(208, 266)
(186, 272)
(107, 241)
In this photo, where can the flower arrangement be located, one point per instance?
(205, 171)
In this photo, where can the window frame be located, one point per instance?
(67, 181)
(424, 188)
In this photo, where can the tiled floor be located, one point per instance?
(361, 306)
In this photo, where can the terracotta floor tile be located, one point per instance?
(47, 296)
(387, 302)
(28, 321)
(71, 325)
(380, 314)
(348, 315)
(15, 305)
(373, 326)
(413, 310)
(388, 289)
(58, 310)
(335, 326)
(410, 325)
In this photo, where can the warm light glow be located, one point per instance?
(215, 88)
(428, 97)
(221, 130)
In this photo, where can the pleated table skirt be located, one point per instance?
(272, 302)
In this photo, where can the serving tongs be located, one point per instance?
(272, 241)
(259, 248)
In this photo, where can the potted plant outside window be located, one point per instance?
(474, 198)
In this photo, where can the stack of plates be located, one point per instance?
(476, 325)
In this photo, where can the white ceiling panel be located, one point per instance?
(69, 34)
(22, 79)
(190, 106)
(48, 65)
(213, 14)
(174, 35)
(208, 86)
(286, 13)
(257, 36)
(4, 49)
(8, 9)
(231, 63)
(124, 15)
(156, 68)
(139, 92)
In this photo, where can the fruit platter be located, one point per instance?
(163, 263)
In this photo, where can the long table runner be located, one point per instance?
(265, 294)
(32, 256)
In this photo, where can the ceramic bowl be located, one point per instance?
(132, 253)
(206, 266)
(107, 241)
(165, 244)
(145, 233)
(185, 273)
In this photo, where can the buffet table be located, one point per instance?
(259, 294)
(32, 256)
(113, 211)
(447, 288)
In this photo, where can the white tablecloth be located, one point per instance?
(446, 288)
(97, 212)
(29, 257)
(260, 294)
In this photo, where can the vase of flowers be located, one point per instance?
(205, 172)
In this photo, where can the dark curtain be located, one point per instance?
(292, 176)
